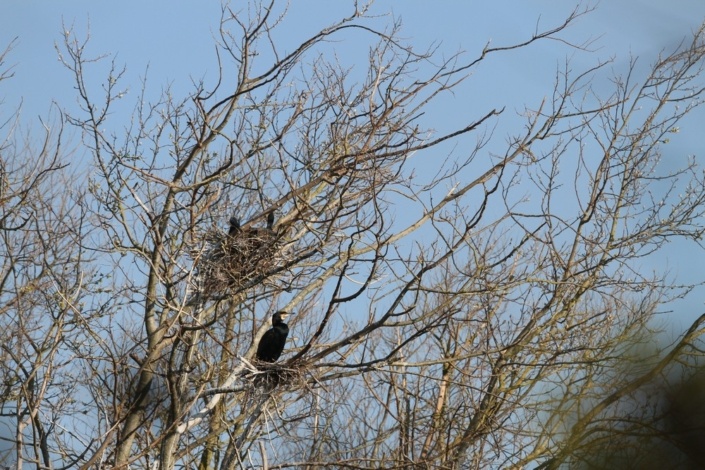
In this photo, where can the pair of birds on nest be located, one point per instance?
(236, 229)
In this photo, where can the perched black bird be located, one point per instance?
(234, 226)
(271, 345)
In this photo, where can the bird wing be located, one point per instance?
(264, 342)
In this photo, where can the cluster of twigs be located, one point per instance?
(262, 377)
(267, 376)
(237, 259)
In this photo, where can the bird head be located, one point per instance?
(280, 316)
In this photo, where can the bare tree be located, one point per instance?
(484, 325)
(45, 280)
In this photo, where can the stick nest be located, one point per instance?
(271, 375)
(238, 259)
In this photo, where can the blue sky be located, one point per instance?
(175, 40)
(175, 37)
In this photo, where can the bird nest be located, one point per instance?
(237, 260)
(271, 375)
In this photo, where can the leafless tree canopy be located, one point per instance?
(485, 314)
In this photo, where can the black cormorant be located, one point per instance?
(234, 226)
(271, 345)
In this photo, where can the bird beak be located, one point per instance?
(284, 315)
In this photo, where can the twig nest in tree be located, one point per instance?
(268, 376)
(237, 259)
